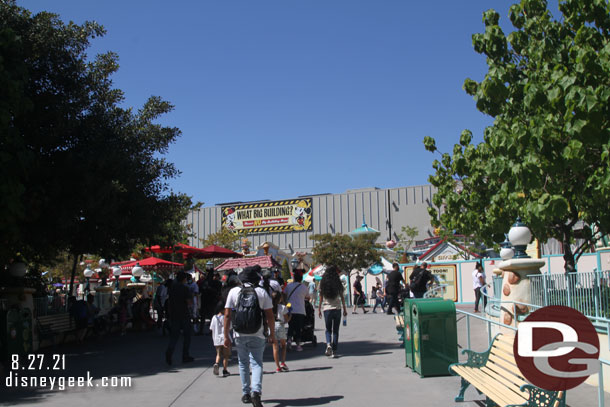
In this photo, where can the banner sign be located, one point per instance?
(269, 217)
(444, 275)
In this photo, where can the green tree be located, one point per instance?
(286, 271)
(406, 238)
(81, 174)
(225, 238)
(547, 155)
(345, 252)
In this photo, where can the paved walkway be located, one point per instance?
(370, 372)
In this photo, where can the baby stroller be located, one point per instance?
(307, 334)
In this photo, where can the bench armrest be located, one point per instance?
(540, 397)
(475, 359)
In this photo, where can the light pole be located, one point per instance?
(520, 236)
(103, 266)
(506, 252)
(137, 272)
(294, 263)
(87, 273)
(116, 272)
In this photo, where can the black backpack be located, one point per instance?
(419, 281)
(248, 313)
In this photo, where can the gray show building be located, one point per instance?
(386, 210)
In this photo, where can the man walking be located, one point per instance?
(180, 299)
(296, 293)
(392, 289)
(245, 309)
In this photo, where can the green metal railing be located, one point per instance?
(587, 292)
(49, 305)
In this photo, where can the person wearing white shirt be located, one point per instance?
(250, 347)
(222, 353)
(478, 284)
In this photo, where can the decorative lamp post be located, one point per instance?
(520, 236)
(137, 272)
(515, 272)
(103, 274)
(506, 252)
(87, 273)
(116, 272)
(294, 263)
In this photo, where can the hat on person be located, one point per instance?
(251, 275)
(275, 286)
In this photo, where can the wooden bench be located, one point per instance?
(495, 374)
(51, 326)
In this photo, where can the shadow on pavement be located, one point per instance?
(310, 401)
(134, 355)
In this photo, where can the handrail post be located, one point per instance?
(468, 331)
(597, 293)
(600, 388)
(544, 290)
(568, 289)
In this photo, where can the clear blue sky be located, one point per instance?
(282, 98)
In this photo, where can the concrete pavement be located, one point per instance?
(370, 371)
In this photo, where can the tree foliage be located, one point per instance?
(286, 271)
(345, 252)
(547, 155)
(225, 238)
(78, 173)
(406, 238)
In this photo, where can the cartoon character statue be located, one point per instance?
(300, 211)
(229, 213)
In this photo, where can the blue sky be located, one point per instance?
(277, 99)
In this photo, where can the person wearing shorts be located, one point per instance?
(282, 316)
(222, 353)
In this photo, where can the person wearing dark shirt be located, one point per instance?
(419, 278)
(180, 299)
(359, 297)
(393, 288)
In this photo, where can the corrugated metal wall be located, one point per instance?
(339, 213)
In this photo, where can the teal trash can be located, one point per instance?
(434, 337)
(408, 329)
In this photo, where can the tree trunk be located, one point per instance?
(74, 264)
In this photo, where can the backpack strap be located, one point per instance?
(292, 291)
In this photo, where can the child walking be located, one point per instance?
(282, 316)
(217, 328)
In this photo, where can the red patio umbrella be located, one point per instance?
(181, 248)
(214, 251)
(152, 264)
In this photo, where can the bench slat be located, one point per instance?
(506, 339)
(504, 346)
(488, 386)
(516, 380)
(507, 356)
(505, 393)
(509, 383)
(507, 366)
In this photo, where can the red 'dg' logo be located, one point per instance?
(556, 348)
